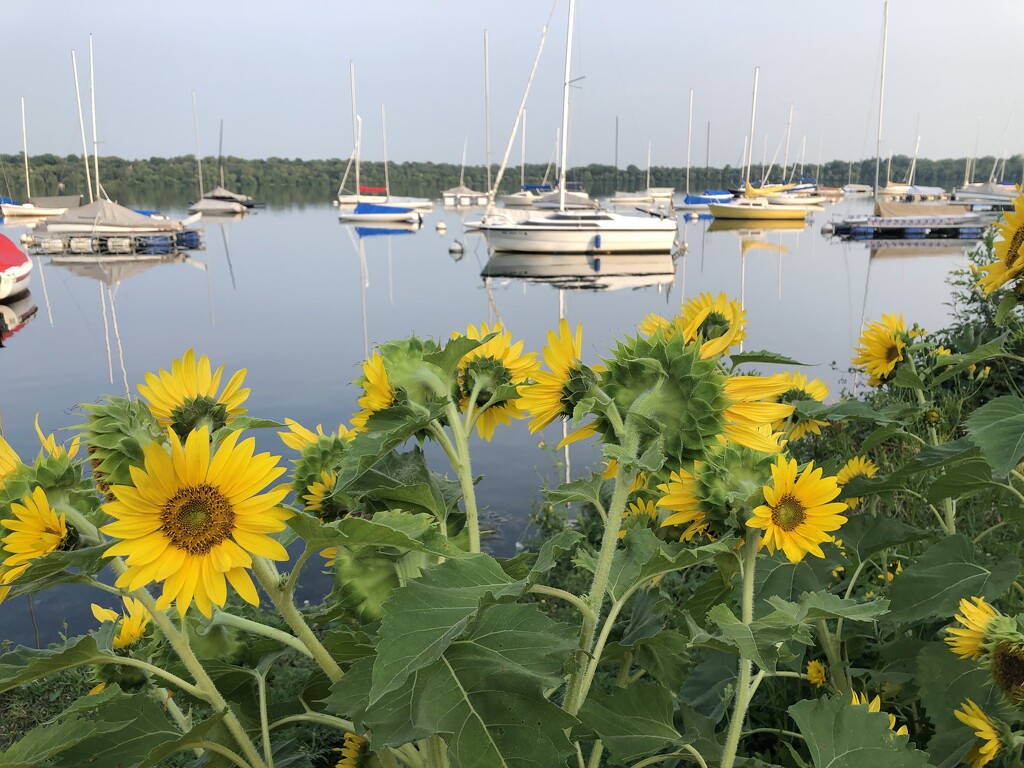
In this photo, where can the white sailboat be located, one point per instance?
(577, 231)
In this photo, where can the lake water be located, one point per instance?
(298, 299)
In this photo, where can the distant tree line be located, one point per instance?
(174, 180)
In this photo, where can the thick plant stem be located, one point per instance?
(437, 752)
(256, 628)
(463, 468)
(743, 687)
(268, 578)
(840, 674)
(948, 508)
(179, 642)
(595, 598)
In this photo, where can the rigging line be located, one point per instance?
(46, 295)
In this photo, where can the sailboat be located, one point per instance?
(36, 207)
(699, 203)
(577, 231)
(462, 196)
(648, 195)
(365, 194)
(206, 204)
(220, 192)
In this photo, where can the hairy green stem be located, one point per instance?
(602, 569)
(293, 577)
(463, 468)
(267, 575)
(569, 597)
(256, 628)
(437, 752)
(595, 755)
(622, 679)
(840, 673)
(688, 750)
(743, 687)
(315, 717)
(948, 507)
(268, 753)
(128, 661)
(779, 731)
(220, 749)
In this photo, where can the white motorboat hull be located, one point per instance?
(407, 202)
(562, 233)
(518, 199)
(407, 217)
(29, 211)
(14, 280)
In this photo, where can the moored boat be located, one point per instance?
(15, 268)
(758, 209)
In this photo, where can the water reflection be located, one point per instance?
(582, 271)
(15, 312)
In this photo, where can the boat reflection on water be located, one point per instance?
(573, 271)
(15, 312)
(888, 249)
(755, 227)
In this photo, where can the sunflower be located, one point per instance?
(34, 531)
(968, 642)
(801, 389)
(799, 513)
(133, 622)
(858, 466)
(817, 674)
(9, 460)
(983, 753)
(191, 519)
(639, 508)
(1009, 249)
(351, 750)
(555, 394)
(881, 348)
(378, 393)
(750, 414)
(55, 449)
(718, 323)
(186, 398)
(489, 370)
(1008, 665)
(875, 705)
(319, 497)
(680, 498)
(298, 437)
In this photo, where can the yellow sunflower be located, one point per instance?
(186, 398)
(881, 348)
(717, 322)
(378, 393)
(639, 508)
(680, 498)
(875, 705)
(801, 389)
(133, 622)
(351, 750)
(9, 460)
(799, 514)
(495, 364)
(34, 531)
(858, 466)
(298, 437)
(192, 520)
(968, 641)
(55, 449)
(817, 674)
(750, 415)
(320, 490)
(983, 753)
(1009, 249)
(554, 394)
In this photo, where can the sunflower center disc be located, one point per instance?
(1016, 244)
(1008, 670)
(788, 514)
(197, 518)
(892, 354)
(713, 326)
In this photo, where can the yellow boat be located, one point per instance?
(757, 209)
(767, 189)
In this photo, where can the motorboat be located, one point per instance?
(580, 231)
(15, 312)
(38, 207)
(583, 272)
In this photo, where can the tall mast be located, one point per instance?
(462, 170)
(356, 132)
(487, 109)
(563, 142)
(881, 96)
(384, 133)
(753, 111)
(95, 142)
(199, 156)
(220, 153)
(785, 158)
(81, 127)
(689, 139)
(648, 163)
(917, 146)
(522, 155)
(615, 182)
(24, 144)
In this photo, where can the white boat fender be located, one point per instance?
(440, 226)
(827, 228)
(456, 247)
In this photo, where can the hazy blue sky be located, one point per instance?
(277, 73)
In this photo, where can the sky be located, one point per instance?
(277, 74)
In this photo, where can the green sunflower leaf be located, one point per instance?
(959, 363)
(961, 480)
(997, 428)
(864, 535)
(632, 723)
(839, 734)
(762, 356)
(484, 693)
(403, 531)
(946, 572)
(905, 377)
(946, 681)
(447, 358)
(762, 641)
(644, 556)
(424, 617)
(404, 481)
(23, 665)
(586, 489)
(60, 568)
(1006, 305)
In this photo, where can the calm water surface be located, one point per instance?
(298, 298)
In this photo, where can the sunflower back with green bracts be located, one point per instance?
(323, 455)
(60, 477)
(678, 396)
(728, 478)
(414, 380)
(115, 431)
